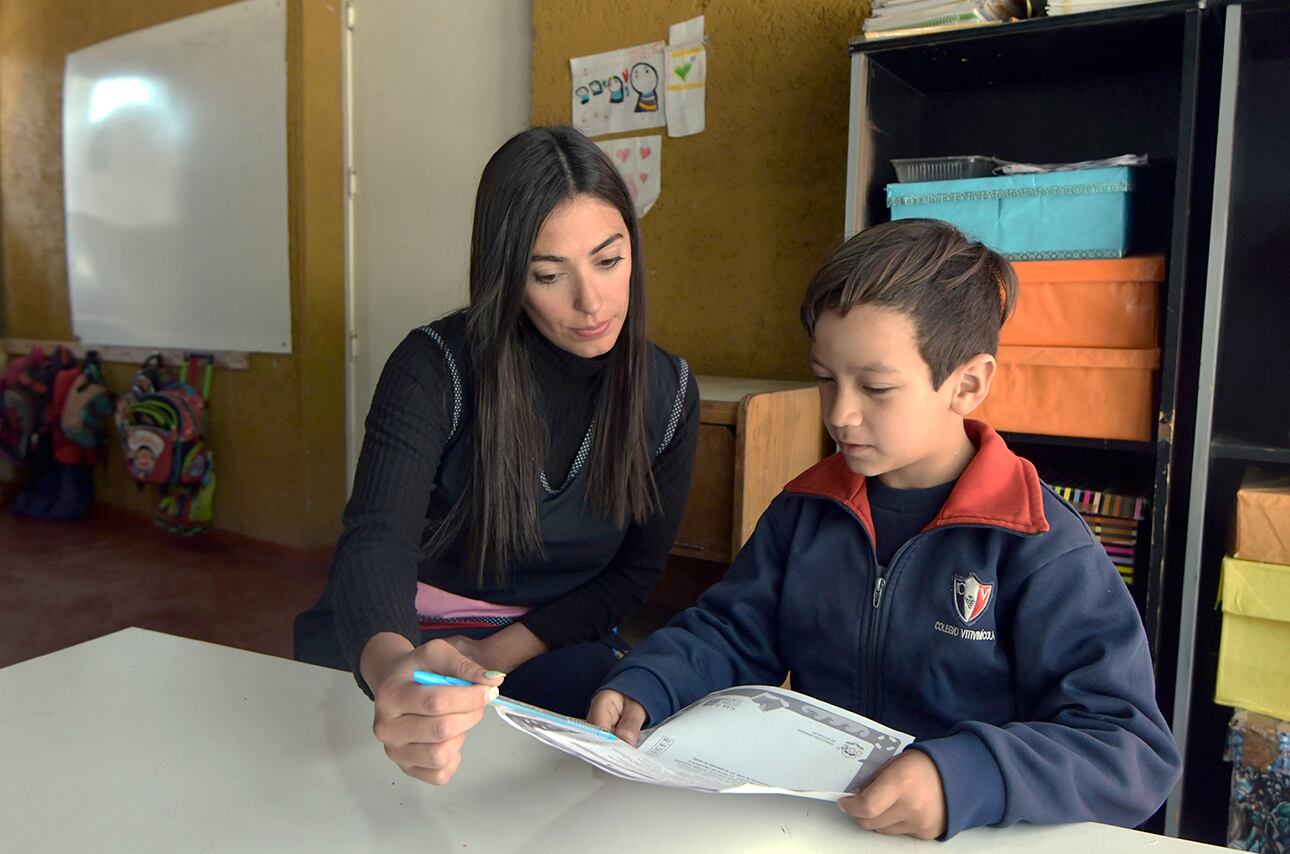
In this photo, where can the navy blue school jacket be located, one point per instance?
(1000, 636)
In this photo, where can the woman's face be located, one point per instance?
(579, 279)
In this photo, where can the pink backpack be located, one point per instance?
(26, 390)
(162, 425)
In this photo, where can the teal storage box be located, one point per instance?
(1083, 213)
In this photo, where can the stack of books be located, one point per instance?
(1070, 7)
(1114, 518)
(892, 18)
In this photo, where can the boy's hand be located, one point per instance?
(905, 798)
(614, 711)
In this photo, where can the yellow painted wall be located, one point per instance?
(751, 206)
(278, 428)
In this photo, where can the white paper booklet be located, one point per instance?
(743, 740)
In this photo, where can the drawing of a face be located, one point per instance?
(144, 449)
(596, 88)
(616, 90)
(644, 78)
(583, 94)
(144, 460)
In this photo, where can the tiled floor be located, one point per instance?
(62, 583)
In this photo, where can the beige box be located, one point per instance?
(1262, 528)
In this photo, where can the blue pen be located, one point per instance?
(425, 677)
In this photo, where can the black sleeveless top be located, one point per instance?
(577, 545)
(413, 462)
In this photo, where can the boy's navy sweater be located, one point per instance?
(1034, 696)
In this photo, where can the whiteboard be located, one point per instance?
(175, 184)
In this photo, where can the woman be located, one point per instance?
(524, 469)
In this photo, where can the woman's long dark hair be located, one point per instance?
(523, 182)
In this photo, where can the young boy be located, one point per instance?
(924, 576)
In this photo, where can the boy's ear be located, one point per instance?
(972, 383)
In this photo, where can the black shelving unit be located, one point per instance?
(1133, 80)
(1230, 447)
(1031, 439)
(1243, 401)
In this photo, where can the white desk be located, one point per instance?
(140, 741)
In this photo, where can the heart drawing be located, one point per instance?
(623, 154)
(646, 151)
(644, 176)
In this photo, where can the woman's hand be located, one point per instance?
(504, 650)
(423, 727)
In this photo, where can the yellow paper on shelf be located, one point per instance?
(1254, 653)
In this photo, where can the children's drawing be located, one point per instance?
(645, 82)
(686, 79)
(624, 90)
(616, 90)
(639, 160)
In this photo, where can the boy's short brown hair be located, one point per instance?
(956, 291)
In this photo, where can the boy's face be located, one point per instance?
(878, 402)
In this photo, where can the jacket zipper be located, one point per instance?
(869, 709)
(879, 584)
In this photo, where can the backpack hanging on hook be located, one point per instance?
(163, 429)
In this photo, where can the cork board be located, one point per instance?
(751, 206)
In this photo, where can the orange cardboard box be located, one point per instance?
(1093, 392)
(1112, 302)
(1262, 529)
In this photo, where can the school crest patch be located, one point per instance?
(971, 598)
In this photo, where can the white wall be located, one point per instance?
(434, 87)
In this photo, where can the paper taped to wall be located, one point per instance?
(618, 91)
(640, 160)
(687, 78)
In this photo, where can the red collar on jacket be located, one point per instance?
(997, 488)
